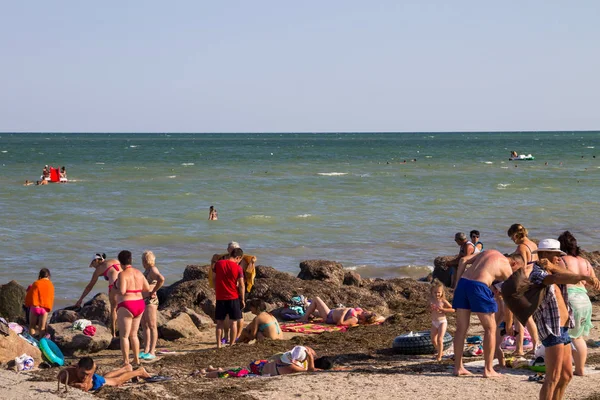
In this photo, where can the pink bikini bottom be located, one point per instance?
(135, 307)
(39, 311)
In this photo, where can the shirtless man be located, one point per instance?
(554, 316)
(84, 377)
(473, 294)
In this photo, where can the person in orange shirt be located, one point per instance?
(40, 300)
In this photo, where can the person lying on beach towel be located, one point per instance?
(84, 377)
(264, 325)
(299, 359)
(339, 316)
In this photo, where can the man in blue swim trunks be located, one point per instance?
(84, 376)
(473, 294)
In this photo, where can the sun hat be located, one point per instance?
(550, 245)
(297, 354)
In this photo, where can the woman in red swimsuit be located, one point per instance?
(109, 270)
(130, 306)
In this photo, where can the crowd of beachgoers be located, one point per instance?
(537, 295)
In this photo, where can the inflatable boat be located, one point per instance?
(54, 176)
(522, 157)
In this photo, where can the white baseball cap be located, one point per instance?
(549, 245)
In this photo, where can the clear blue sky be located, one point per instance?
(254, 66)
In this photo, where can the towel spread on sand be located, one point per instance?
(312, 327)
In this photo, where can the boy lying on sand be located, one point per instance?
(83, 376)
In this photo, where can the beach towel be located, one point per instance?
(312, 327)
(40, 294)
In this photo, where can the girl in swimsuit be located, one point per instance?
(109, 269)
(131, 306)
(525, 247)
(40, 300)
(264, 325)
(155, 281)
(439, 307)
(339, 316)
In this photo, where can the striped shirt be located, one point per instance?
(547, 316)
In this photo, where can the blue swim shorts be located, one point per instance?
(563, 339)
(474, 296)
(97, 382)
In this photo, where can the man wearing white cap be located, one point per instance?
(554, 316)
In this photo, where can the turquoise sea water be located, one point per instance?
(286, 198)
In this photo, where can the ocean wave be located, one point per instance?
(172, 176)
(5, 151)
(589, 147)
(133, 146)
(502, 186)
(303, 215)
(99, 163)
(488, 162)
(187, 164)
(259, 216)
(332, 173)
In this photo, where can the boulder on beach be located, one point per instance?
(441, 270)
(74, 342)
(195, 294)
(12, 298)
(13, 346)
(64, 316)
(352, 278)
(182, 326)
(195, 272)
(322, 270)
(98, 308)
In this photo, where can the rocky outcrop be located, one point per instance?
(352, 278)
(193, 272)
(179, 327)
(441, 270)
(64, 316)
(12, 298)
(12, 346)
(74, 342)
(195, 294)
(322, 270)
(98, 308)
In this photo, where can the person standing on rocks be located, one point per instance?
(229, 291)
(466, 249)
(473, 294)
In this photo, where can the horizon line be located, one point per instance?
(301, 132)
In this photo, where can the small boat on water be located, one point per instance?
(54, 176)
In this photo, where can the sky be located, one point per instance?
(309, 66)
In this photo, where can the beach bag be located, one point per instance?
(298, 304)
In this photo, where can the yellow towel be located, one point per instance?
(247, 264)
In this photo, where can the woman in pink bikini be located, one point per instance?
(109, 270)
(339, 316)
(130, 306)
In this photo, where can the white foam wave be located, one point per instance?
(332, 173)
(99, 163)
(303, 215)
(589, 147)
(502, 186)
(187, 164)
(133, 146)
(488, 162)
(260, 216)
(504, 167)
(172, 176)
(5, 151)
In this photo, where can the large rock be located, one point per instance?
(441, 270)
(322, 270)
(12, 346)
(194, 272)
(97, 309)
(179, 327)
(200, 319)
(64, 316)
(74, 342)
(194, 294)
(352, 278)
(12, 298)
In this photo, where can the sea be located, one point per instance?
(382, 204)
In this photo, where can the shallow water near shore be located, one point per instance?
(286, 198)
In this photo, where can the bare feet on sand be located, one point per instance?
(144, 373)
(491, 374)
(462, 372)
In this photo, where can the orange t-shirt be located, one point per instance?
(40, 294)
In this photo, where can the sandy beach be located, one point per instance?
(365, 368)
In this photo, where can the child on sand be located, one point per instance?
(39, 301)
(84, 377)
(439, 307)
